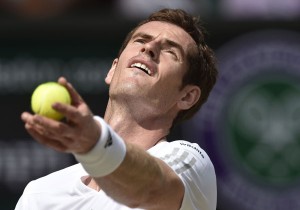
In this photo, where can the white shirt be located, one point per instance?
(64, 190)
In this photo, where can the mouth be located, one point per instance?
(142, 67)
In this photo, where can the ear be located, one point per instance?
(111, 72)
(191, 94)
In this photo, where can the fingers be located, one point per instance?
(79, 133)
(57, 145)
(78, 110)
(74, 115)
(61, 136)
(70, 112)
(49, 132)
(76, 98)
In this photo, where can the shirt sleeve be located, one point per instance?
(195, 169)
(27, 201)
(23, 203)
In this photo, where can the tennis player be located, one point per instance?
(162, 75)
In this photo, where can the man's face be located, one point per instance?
(151, 67)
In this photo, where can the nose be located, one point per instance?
(151, 49)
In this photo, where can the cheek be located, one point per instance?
(172, 85)
(173, 78)
(168, 88)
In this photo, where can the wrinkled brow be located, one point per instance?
(143, 35)
(168, 41)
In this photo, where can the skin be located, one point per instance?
(141, 109)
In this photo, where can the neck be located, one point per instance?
(137, 126)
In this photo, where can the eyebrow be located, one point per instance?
(168, 41)
(143, 35)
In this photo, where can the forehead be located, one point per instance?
(158, 29)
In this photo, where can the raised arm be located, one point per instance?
(139, 180)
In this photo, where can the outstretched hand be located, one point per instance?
(77, 134)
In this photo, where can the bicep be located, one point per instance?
(196, 172)
(171, 192)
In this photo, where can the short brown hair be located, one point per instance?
(202, 69)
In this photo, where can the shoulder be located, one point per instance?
(181, 150)
(183, 156)
(193, 148)
(194, 167)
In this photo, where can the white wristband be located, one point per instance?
(106, 155)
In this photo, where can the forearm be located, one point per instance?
(136, 180)
(130, 174)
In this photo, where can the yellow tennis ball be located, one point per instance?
(47, 94)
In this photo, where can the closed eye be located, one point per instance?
(141, 38)
(142, 41)
(172, 53)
